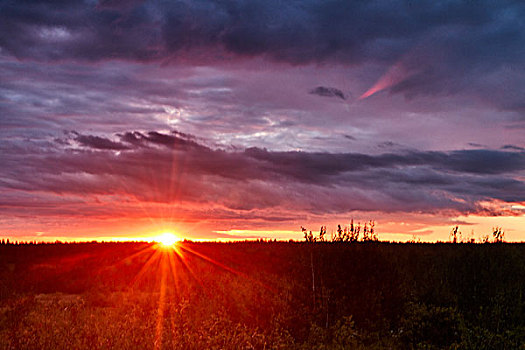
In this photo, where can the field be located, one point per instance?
(262, 295)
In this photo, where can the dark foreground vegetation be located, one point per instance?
(262, 295)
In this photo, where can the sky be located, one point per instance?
(243, 119)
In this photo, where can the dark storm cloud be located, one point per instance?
(296, 31)
(328, 92)
(98, 142)
(443, 46)
(159, 167)
(320, 164)
(513, 148)
(169, 140)
(174, 140)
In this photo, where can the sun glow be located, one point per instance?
(167, 239)
(170, 262)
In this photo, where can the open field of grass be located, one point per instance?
(262, 295)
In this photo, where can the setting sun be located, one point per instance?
(167, 239)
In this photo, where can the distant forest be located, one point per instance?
(346, 294)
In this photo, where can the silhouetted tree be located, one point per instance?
(365, 233)
(340, 234)
(354, 236)
(308, 236)
(454, 234)
(372, 234)
(355, 230)
(322, 233)
(497, 234)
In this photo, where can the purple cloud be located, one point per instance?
(166, 168)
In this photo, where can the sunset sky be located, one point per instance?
(244, 119)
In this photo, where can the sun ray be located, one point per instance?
(183, 259)
(146, 249)
(159, 329)
(178, 164)
(225, 267)
(173, 269)
(154, 257)
(167, 267)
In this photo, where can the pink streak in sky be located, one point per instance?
(393, 76)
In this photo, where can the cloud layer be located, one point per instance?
(172, 168)
(296, 32)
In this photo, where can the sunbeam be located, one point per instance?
(164, 266)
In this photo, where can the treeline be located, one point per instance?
(351, 233)
(347, 233)
(6, 241)
(497, 236)
(367, 233)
